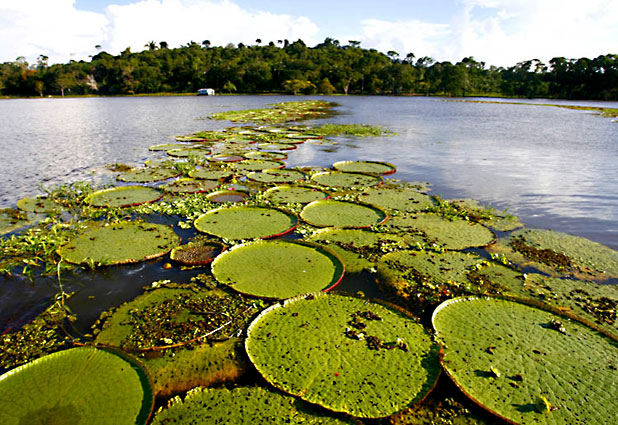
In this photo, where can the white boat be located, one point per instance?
(206, 92)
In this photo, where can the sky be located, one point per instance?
(497, 32)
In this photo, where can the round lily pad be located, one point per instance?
(124, 196)
(222, 196)
(225, 158)
(211, 174)
(271, 146)
(197, 253)
(400, 199)
(37, 205)
(243, 405)
(345, 354)
(257, 164)
(294, 194)
(346, 180)
(119, 243)
(246, 222)
(187, 152)
(277, 175)
(369, 167)
(149, 174)
(450, 234)
(329, 213)
(565, 251)
(166, 147)
(364, 239)
(278, 269)
(11, 220)
(191, 186)
(527, 365)
(77, 386)
(275, 156)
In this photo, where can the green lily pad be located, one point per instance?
(11, 220)
(187, 152)
(197, 253)
(422, 279)
(175, 331)
(369, 167)
(500, 221)
(119, 243)
(124, 196)
(329, 213)
(566, 252)
(277, 175)
(257, 165)
(271, 146)
(275, 156)
(225, 158)
(191, 186)
(527, 365)
(149, 174)
(364, 239)
(294, 194)
(222, 196)
(345, 354)
(77, 386)
(449, 234)
(246, 222)
(353, 262)
(400, 199)
(239, 141)
(346, 180)
(211, 174)
(243, 405)
(278, 269)
(37, 205)
(166, 147)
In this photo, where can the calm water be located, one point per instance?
(554, 168)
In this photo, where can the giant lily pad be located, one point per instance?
(257, 165)
(211, 174)
(149, 174)
(364, 239)
(123, 196)
(181, 325)
(119, 243)
(275, 156)
(11, 220)
(527, 365)
(329, 213)
(222, 196)
(246, 222)
(450, 234)
(187, 152)
(344, 353)
(191, 186)
(37, 205)
(346, 180)
(400, 199)
(369, 167)
(272, 146)
(243, 405)
(294, 194)
(77, 386)
(166, 147)
(278, 268)
(277, 176)
(566, 252)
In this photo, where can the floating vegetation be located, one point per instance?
(346, 180)
(191, 186)
(148, 174)
(364, 240)
(280, 113)
(224, 196)
(272, 146)
(398, 199)
(527, 365)
(211, 174)
(187, 152)
(197, 253)
(306, 347)
(276, 175)
(246, 222)
(278, 269)
(274, 156)
(124, 196)
(294, 194)
(257, 165)
(359, 130)
(369, 167)
(330, 213)
(80, 385)
(12, 219)
(119, 243)
(38, 205)
(247, 405)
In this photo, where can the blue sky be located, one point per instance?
(498, 32)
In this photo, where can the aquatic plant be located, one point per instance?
(186, 185)
(330, 213)
(344, 353)
(148, 174)
(278, 269)
(398, 199)
(280, 113)
(527, 365)
(346, 180)
(368, 167)
(197, 253)
(294, 194)
(12, 219)
(38, 205)
(123, 196)
(283, 175)
(211, 174)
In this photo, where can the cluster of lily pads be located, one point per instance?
(523, 321)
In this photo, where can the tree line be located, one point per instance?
(293, 67)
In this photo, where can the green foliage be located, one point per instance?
(370, 167)
(123, 196)
(340, 179)
(398, 199)
(344, 353)
(330, 213)
(527, 365)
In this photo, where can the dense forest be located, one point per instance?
(284, 67)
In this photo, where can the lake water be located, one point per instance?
(553, 167)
